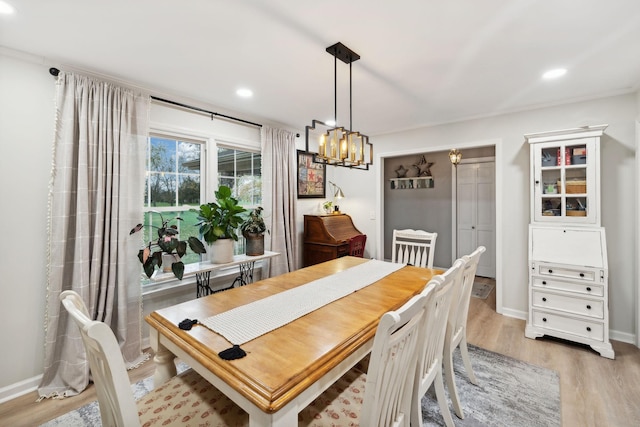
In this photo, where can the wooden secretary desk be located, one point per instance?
(327, 237)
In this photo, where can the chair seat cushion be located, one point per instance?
(339, 405)
(190, 400)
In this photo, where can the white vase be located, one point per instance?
(221, 251)
(167, 260)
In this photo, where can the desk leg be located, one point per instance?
(164, 360)
(202, 284)
(246, 274)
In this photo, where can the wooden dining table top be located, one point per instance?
(281, 364)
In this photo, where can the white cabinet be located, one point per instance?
(565, 176)
(568, 286)
(568, 270)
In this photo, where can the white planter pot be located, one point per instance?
(167, 260)
(221, 251)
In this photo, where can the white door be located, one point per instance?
(476, 213)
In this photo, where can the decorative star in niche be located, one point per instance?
(423, 167)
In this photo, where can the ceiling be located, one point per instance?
(422, 62)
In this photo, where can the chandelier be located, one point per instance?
(337, 145)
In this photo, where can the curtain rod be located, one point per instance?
(54, 72)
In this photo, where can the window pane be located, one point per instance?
(189, 190)
(226, 162)
(163, 155)
(241, 171)
(243, 163)
(173, 168)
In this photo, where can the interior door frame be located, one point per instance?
(454, 204)
(499, 160)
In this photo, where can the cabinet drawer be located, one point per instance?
(568, 304)
(583, 328)
(561, 285)
(554, 271)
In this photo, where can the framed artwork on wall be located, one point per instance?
(311, 177)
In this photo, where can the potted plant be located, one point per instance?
(253, 229)
(167, 249)
(328, 206)
(218, 223)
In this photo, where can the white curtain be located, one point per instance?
(279, 194)
(96, 196)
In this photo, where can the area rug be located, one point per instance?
(481, 290)
(509, 393)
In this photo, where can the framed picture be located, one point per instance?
(311, 177)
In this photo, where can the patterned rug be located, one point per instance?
(510, 393)
(481, 290)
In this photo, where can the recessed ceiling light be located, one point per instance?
(6, 8)
(244, 93)
(554, 74)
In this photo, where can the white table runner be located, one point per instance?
(247, 322)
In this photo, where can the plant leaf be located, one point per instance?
(178, 269)
(181, 248)
(196, 245)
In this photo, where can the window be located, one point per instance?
(241, 171)
(176, 183)
(173, 187)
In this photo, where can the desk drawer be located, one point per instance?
(582, 328)
(569, 304)
(555, 271)
(561, 285)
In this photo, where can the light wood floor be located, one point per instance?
(594, 391)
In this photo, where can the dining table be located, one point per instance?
(284, 369)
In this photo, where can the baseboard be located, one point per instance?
(517, 314)
(18, 389)
(622, 336)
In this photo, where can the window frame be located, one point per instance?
(208, 182)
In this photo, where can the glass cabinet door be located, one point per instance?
(563, 177)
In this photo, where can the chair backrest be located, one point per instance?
(115, 397)
(435, 322)
(356, 245)
(388, 390)
(415, 247)
(460, 306)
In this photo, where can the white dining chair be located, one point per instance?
(179, 401)
(382, 395)
(456, 335)
(415, 247)
(429, 366)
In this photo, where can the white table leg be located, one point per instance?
(164, 360)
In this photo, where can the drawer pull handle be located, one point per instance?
(588, 289)
(588, 307)
(544, 282)
(550, 271)
(544, 299)
(581, 274)
(588, 328)
(544, 319)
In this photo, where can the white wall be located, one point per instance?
(26, 134)
(618, 189)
